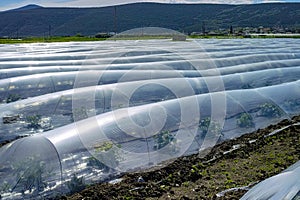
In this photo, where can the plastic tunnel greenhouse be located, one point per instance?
(282, 186)
(85, 112)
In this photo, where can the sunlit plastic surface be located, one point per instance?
(282, 186)
(92, 110)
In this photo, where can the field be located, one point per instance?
(48, 39)
(79, 113)
(79, 38)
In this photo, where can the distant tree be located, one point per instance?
(49, 31)
(231, 30)
(203, 28)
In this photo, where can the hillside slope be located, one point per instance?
(181, 17)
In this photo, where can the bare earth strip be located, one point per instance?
(232, 164)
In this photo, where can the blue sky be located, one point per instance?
(8, 4)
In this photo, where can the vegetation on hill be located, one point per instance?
(185, 18)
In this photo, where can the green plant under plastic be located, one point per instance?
(245, 120)
(33, 121)
(270, 110)
(31, 175)
(76, 184)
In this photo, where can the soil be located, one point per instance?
(10, 141)
(203, 176)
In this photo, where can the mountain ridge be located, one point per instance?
(41, 21)
(26, 7)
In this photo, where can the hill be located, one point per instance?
(27, 7)
(40, 21)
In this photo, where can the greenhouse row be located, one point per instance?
(56, 109)
(141, 136)
(13, 89)
(88, 112)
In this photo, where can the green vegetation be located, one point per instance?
(31, 175)
(13, 98)
(78, 38)
(140, 37)
(51, 39)
(206, 125)
(91, 21)
(216, 37)
(79, 114)
(198, 177)
(95, 163)
(105, 146)
(37, 122)
(4, 187)
(33, 121)
(146, 37)
(292, 104)
(270, 110)
(258, 36)
(76, 184)
(106, 154)
(245, 120)
(162, 139)
(276, 36)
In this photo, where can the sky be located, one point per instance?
(10, 4)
